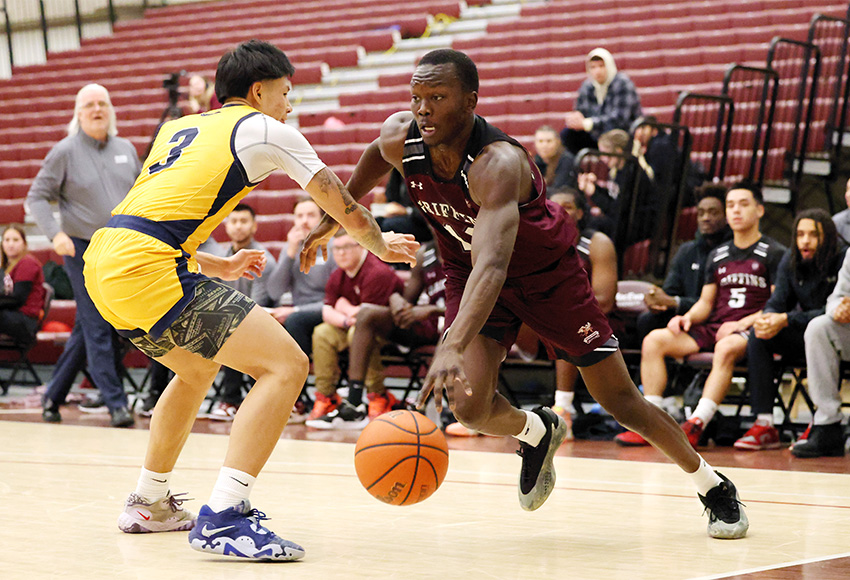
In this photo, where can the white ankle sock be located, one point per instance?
(656, 400)
(705, 477)
(706, 408)
(765, 419)
(230, 489)
(534, 429)
(564, 400)
(152, 486)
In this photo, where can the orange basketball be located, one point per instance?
(401, 457)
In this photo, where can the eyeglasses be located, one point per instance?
(341, 247)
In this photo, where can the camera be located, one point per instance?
(172, 85)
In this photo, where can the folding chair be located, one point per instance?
(20, 349)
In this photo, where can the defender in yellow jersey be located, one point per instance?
(147, 279)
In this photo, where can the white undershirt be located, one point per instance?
(264, 145)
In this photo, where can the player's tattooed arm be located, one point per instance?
(332, 196)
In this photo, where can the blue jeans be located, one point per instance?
(92, 339)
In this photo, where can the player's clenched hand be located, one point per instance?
(446, 372)
(400, 248)
(317, 241)
(245, 264)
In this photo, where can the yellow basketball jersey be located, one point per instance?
(140, 269)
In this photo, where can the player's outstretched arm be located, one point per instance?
(379, 157)
(332, 196)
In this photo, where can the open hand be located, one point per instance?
(446, 372)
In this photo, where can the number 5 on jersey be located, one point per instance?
(183, 139)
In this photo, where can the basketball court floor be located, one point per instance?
(615, 513)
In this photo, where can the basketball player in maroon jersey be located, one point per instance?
(739, 277)
(509, 257)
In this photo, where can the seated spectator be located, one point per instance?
(807, 276)
(739, 278)
(201, 95)
(827, 341)
(398, 214)
(240, 225)
(606, 100)
(555, 163)
(656, 152)
(413, 318)
(842, 218)
(599, 259)
(22, 294)
(361, 278)
(686, 275)
(300, 296)
(606, 199)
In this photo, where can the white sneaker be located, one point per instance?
(223, 412)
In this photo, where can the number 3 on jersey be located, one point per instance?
(183, 139)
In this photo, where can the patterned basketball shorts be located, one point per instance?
(204, 325)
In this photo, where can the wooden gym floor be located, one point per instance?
(615, 514)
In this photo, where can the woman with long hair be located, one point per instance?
(22, 293)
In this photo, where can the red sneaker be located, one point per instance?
(323, 405)
(804, 436)
(380, 403)
(630, 439)
(693, 429)
(759, 437)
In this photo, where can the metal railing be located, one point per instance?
(36, 20)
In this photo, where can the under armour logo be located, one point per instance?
(416, 185)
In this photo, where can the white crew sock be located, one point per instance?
(152, 486)
(564, 400)
(656, 400)
(533, 431)
(230, 489)
(706, 408)
(705, 477)
(765, 419)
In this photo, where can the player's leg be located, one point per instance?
(657, 345)
(227, 525)
(152, 507)
(608, 381)
(727, 352)
(540, 432)
(653, 371)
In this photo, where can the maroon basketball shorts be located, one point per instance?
(705, 335)
(557, 303)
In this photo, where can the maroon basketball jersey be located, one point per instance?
(544, 233)
(743, 278)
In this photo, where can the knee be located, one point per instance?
(816, 328)
(469, 414)
(654, 343)
(299, 366)
(323, 334)
(200, 375)
(728, 352)
(368, 314)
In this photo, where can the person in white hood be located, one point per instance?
(606, 100)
